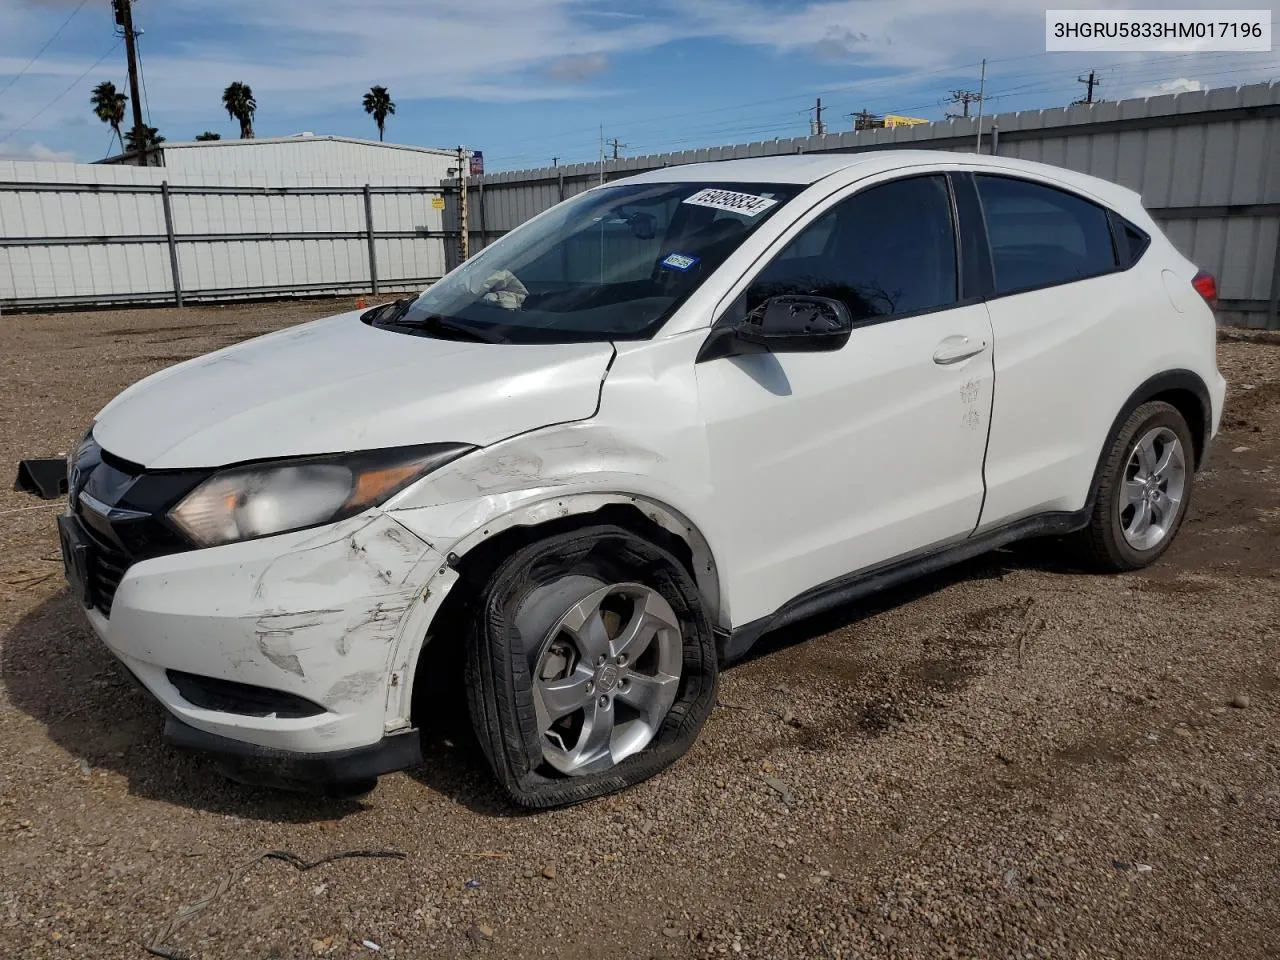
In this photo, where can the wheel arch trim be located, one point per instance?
(1152, 387)
(416, 631)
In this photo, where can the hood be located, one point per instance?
(338, 384)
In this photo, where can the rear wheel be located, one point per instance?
(1143, 491)
(590, 667)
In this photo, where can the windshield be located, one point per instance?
(610, 264)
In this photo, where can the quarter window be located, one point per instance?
(886, 251)
(1041, 236)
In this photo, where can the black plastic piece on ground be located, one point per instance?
(305, 772)
(47, 479)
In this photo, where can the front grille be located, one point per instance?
(106, 568)
(228, 696)
(124, 519)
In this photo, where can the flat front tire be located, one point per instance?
(591, 666)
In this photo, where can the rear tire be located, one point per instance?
(591, 666)
(1144, 489)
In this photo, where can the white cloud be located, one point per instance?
(1180, 85)
(36, 151)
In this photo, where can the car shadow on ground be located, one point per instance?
(1047, 554)
(56, 671)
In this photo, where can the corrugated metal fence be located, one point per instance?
(80, 234)
(1207, 165)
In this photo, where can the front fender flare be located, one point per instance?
(415, 634)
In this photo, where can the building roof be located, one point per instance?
(296, 138)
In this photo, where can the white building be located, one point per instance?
(368, 161)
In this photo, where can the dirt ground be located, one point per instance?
(1010, 759)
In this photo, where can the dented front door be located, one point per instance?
(828, 463)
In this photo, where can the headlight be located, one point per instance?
(262, 499)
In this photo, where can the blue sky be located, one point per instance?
(526, 80)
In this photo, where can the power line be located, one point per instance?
(143, 75)
(74, 83)
(1055, 81)
(18, 76)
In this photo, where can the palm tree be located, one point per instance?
(149, 140)
(108, 106)
(208, 135)
(379, 103)
(238, 99)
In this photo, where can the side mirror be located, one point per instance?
(383, 313)
(797, 324)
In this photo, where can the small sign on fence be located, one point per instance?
(437, 203)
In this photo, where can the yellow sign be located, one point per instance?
(892, 120)
(437, 203)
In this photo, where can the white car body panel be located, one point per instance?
(781, 472)
(338, 384)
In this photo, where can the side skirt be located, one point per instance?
(735, 644)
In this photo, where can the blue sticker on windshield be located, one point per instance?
(678, 261)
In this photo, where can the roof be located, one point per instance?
(812, 167)
(296, 138)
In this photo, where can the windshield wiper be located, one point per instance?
(433, 322)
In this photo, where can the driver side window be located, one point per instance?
(885, 252)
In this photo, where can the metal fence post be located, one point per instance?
(1273, 305)
(373, 255)
(173, 244)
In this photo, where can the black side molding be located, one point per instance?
(835, 593)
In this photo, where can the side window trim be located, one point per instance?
(1126, 254)
(977, 277)
(731, 302)
(1108, 213)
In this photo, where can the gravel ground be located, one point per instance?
(1010, 759)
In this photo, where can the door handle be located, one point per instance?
(957, 348)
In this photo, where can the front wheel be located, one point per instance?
(590, 667)
(1144, 488)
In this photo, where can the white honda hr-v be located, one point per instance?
(604, 455)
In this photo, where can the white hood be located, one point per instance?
(338, 384)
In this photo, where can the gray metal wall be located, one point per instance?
(96, 234)
(1207, 165)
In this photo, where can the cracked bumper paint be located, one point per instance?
(318, 614)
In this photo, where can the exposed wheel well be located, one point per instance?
(438, 679)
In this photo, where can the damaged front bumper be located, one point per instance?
(279, 655)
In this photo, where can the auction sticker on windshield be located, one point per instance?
(747, 204)
(679, 261)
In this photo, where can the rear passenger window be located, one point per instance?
(1131, 242)
(886, 251)
(1041, 236)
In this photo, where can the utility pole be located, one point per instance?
(555, 161)
(864, 119)
(464, 227)
(615, 145)
(964, 98)
(124, 19)
(816, 127)
(982, 96)
(602, 154)
(1090, 82)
